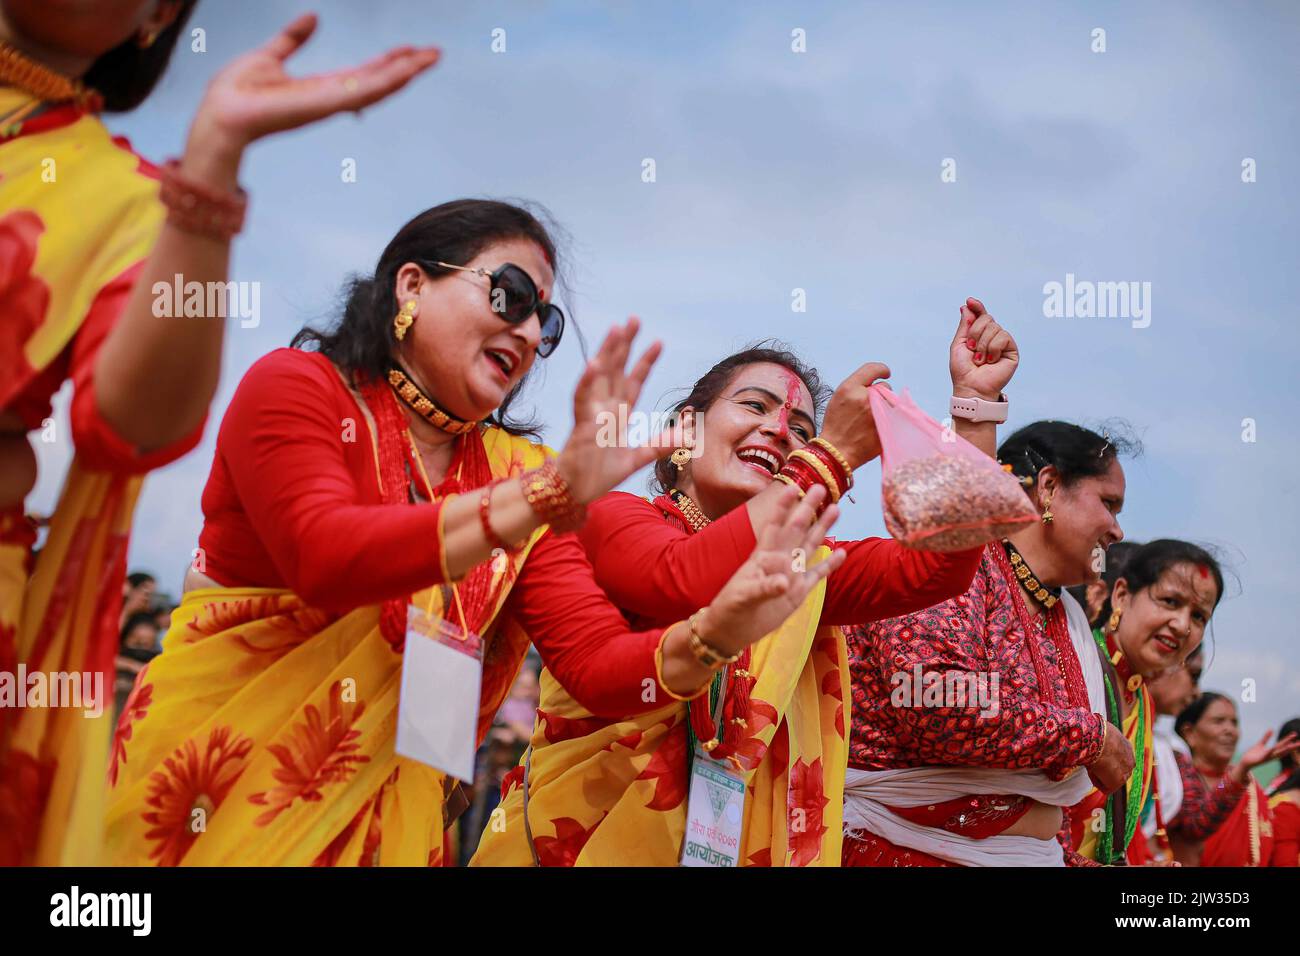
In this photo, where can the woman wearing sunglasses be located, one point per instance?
(595, 791)
(378, 475)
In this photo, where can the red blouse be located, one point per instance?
(1286, 831)
(657, 572)
(1203, 810)
(978, 633)
(293, 501)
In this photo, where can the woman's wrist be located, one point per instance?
(679, 673)
(967, 391)
(212, 155)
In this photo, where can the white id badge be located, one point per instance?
(437, 713)
(715, 814)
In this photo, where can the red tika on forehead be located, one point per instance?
(1203, 570)
(791, 396)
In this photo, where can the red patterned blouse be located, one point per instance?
(977, 632)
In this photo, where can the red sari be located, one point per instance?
(1246, 837)
(1285, 808)
(601, 791)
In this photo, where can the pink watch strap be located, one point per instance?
(978, 410)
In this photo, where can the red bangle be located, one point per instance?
(801, 475)
(194, 207)
(829, 455)
(484, 508)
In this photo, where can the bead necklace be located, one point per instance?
(44, 84)
(1106, 850)
(701, 724)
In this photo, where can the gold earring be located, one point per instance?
(680, 457)
(1113, 624)
(404, 320)
(1047, 511)
(146, 40)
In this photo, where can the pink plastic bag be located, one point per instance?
(940, 492)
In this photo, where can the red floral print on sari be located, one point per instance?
(8, 665)
(514, 778)
(667, 768)
(805, 801)
(563, 848)
(219, 616)
(283, 632)
(832, 686)
(751, 751)
(189, 783)
(136, 706)
(25, 297)
(24, 788)
(318, 752)
(331, 854)
(558, 729)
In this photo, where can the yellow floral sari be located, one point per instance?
(77, 212)
(604, 793)
(264, 733)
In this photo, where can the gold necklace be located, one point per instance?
(1044, 597)
(689, 509)
(415, 399)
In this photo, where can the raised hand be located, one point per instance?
(253, 96)
(849, 424)
(1262, 753)
(983, 355)
(777, 577)
(597, 456)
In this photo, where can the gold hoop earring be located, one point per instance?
(680, 457)
(1047, 511)
(404, 320)
(1113, 624)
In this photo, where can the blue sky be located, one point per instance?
(821, 170)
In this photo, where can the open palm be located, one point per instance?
(597, 456)
(778, 576)
(254, 96)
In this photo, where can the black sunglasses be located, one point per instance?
(513, 296)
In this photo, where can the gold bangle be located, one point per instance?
(791, 482)
(706, 655)
(823, 472)
(834, 452)
(659, 671)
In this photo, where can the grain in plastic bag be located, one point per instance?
(939, 492)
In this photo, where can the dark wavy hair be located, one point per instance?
(127, 74)
(1076, 452)
(1194, 711)
(710, 385)
(362, 342)
(1290, 762)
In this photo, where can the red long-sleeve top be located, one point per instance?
(659, 573)
(293, 501)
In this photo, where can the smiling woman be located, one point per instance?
(1161, 605)
(599, 791)
(376, 481)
